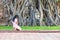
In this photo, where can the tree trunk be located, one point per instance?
(33, 12)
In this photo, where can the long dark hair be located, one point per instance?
(16, 16)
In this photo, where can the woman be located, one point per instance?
(15, 23)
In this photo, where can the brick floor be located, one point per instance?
(29, 36)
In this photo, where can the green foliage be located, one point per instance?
(59, 1)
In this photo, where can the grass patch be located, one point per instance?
(41, 28)
(32, 27)
(6, 28)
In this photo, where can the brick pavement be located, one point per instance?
(29, 36)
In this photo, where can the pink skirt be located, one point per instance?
(16, 26)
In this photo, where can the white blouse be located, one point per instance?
(16, 20)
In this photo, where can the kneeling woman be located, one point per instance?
(15, 23)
